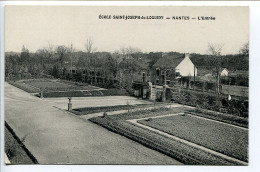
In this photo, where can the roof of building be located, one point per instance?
(169, 61)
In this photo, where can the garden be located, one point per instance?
(52, 88)
(226, 139)
(190, 128)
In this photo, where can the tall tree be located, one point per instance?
(25, 56)
(89, 45)
(214, 51)
(62, 52)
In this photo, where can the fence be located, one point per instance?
(234, 90)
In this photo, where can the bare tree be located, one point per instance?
(89, 45)
(127, 51)
(214, 51)
(71, 52)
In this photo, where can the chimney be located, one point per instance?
(164, 54)
(187, 55)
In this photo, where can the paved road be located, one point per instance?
(56, 137)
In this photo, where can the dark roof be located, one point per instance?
(169, 61)
(145, 62)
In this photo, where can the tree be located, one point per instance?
(25, 55)
(130, 66)
(71, 54)
(244, 50)
(62, 52)
(90, 45)
(214, 51)
(128, 51)
(111, 63)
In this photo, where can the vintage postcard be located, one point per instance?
(159, 85)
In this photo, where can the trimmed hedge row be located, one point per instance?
(227, 118)
(90, 110)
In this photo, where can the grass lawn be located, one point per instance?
(228, 140)
(15, 152)
(25, 87)
(61, 88)
(57, 85)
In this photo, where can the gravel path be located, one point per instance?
(56, 137)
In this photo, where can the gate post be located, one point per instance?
(69, 104)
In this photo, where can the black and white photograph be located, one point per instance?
(126, 85)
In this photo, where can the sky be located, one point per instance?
(37, 26)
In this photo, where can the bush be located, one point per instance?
(210, 102)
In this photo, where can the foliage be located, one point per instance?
(209, 101)
(103, 68)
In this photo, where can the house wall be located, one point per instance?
(186, 68)
(138, 76)
(224, 72)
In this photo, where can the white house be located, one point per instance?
(186, 67)
(224, 72)
(172, 66)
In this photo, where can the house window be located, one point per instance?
(157, 81)
(157, 72)
(144, 77)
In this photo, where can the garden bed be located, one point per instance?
(182, 152)
(231, 141)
